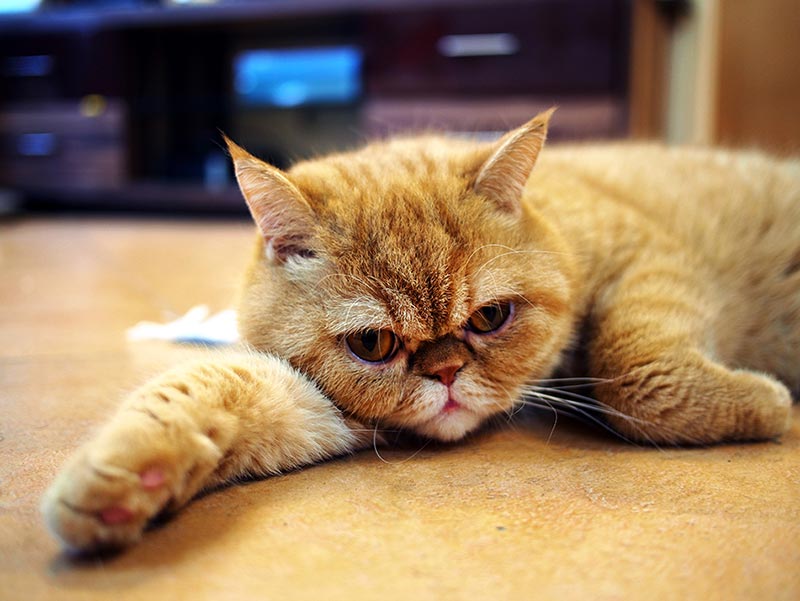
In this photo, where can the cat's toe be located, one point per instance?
(767, 405)
(90, 508)
(86, 530)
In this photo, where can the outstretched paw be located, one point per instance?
(112, 488)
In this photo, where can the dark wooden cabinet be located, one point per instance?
(124, 106)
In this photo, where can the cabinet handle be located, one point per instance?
(482, 44)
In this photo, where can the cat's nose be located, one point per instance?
(440, 359)
(447, 374)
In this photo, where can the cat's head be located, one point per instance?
(408, 278)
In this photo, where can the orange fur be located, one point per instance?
(672, 261)
(677, 269)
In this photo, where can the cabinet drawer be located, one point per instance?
(59, 145)
(551, 46)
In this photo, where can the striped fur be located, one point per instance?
(679, 267)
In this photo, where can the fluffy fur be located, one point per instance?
(675, 272)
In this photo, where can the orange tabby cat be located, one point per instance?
(428, 284)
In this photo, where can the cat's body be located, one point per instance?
(727, 223)
(429, 284)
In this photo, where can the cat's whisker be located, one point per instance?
(360, 280)
(525, 298)
(512, 251)
(594, 404)
(587, 400)
(512, 406)
(555, 420)
(496, 299)
(574, 379)
(484, 247)
(386, 461)
(577, 381)
(584, 414)
(375, 444)
(571, 386)
(548, 406)
(381, 430)
(580, 403)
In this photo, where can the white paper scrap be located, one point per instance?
(195, 326)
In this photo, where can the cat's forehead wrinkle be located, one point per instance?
(347, 315)
(397, 220)
(420, 296)
(426, 301)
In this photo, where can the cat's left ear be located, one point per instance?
(279, 209)
(503, 176)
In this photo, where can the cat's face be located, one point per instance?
(407, 279)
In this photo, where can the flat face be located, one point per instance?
(400, 248)
(559, 509)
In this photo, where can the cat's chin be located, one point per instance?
(449, 427)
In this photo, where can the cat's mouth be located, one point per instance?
(447, 416)
(452, 421)
(451, 405)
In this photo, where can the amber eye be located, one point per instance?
(374, 346)
(489, 317)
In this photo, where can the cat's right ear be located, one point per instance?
(279, 209)
(503, 175)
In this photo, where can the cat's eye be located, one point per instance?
(490, 317)
(373, 346)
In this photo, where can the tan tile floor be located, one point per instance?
(514, 513)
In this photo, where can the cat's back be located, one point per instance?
(719, 203)
(728, 223)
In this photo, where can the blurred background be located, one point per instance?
(119, 104)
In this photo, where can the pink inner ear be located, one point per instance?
(503, 177)
(285, 220)
(280, 210)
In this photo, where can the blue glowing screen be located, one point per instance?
(296, 77)
(18, 6)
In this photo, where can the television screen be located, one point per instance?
(298, 76)
(18, 6)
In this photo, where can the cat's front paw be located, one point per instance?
(114, 486)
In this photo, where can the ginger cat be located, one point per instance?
(428, 284)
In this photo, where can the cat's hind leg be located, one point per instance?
(192, 428)
(652, 343)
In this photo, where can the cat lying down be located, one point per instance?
(428, 284)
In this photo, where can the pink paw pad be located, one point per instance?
(152, 478)
(116, 515)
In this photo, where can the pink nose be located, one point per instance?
(447, 374)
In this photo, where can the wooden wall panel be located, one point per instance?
(648, 73)
(758, 88)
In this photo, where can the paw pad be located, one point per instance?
(116, 515)
(152, 478)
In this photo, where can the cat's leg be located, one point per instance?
(192, 428)
(652, 341)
